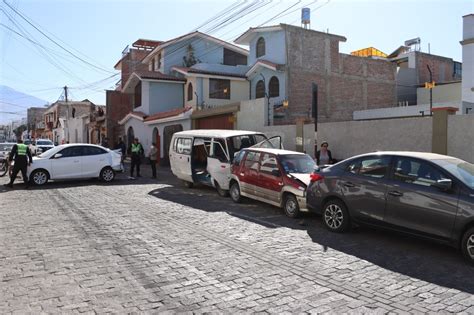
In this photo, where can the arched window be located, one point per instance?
(260, 47)
(274, 87)
(190, 92)
(260, 89)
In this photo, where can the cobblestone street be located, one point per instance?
(153, 246)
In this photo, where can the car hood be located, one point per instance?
(305, 178)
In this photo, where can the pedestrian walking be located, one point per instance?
(22, 156)
(123, 148)
(153, 155)
(137, 151)
(324, 156)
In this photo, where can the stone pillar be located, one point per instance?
(439, 140)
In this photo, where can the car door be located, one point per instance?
(180, 158)
(270, 181)
(413, 203)
(364, 187)
(67, 163)
(249, 173)
(218, 163)
(94, 159)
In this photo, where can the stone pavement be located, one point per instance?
(153, 246)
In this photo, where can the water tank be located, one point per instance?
(305, 16)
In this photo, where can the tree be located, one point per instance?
(190, 60)
(19, 130)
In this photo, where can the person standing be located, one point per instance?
(137, 151)
(324, 156)
(22, 156)
(153, 155)
(122, 147)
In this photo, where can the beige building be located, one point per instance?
(444, 94)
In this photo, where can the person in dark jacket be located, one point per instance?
(22, 156)
(123, 149)
(137, 151)
(324, 156)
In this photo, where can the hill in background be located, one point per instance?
(13, 101)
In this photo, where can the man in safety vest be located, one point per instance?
(137, 151)
(22, 156)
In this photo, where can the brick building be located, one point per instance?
(119, 104)
(35, 118)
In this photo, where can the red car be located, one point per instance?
(278, 177)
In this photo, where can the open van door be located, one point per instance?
(218, 164)
(180, 158)
(270, 143)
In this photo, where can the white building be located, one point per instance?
(468, 64)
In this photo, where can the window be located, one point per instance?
(93, 151)
(260, 47)
(238, 158)
(71, 152)
(416, 172)
(190, 92)
(218, 150)
(269, 164)
(251, 161)
(219, 89)
(260, 89)
(153, 64)
(138, 95)
(183, 146)
(158, 60)
(375, 167)
(232, 58)
(457, 71)
(274, 87)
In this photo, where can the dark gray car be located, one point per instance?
(426, 194)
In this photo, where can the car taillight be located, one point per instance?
(314, 177)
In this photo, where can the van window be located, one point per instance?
(238, 158)
(183, 146)
(238, 143)
(218, 150)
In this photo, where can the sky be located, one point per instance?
(89, 35)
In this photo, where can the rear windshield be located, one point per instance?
(298, 163)
(463, 170)
(44, 143)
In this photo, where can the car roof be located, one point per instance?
(275, 151)
(79, 144)
(415, 154)
(221, 133)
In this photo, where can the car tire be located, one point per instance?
(39, 177)
(221, 192)
(234, 192)
(467, 245)
(107, 174)
(188, 184)
(291, 206)
(335, 216)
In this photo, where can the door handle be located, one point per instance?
(76, 161)
(349, 184)
(395, 193)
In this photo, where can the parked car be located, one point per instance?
(5, 149)
(32, 146)
(71, 161)
(205, 156)
(43, 145)
(426, 194)
(278, 177)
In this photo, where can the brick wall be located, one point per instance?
(345, 83)
(118, 105)
(441, 67)
(132, 62)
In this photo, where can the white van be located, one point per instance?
(205, 156)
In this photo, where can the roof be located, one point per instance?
(191, 35)
(368, 52)
(216, 133)
(187, 71)
(156, 75)
(168, 114)
(275, 151)
(146, 44)
(420, 155)
(263, 63)
(137, 115)
(400, 50)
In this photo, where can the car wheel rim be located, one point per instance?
(290, 206)
(108, 175)
(470, 246)
(235, 192)
(40, 178)
(333, 216)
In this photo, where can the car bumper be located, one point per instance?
(314, 201)
(302, 203)
(118, 168)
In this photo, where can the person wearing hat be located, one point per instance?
(137, 151)
(324, 156)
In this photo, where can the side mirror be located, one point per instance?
(57, 156)
(276, 173)
(443, 184)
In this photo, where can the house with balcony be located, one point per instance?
(190, 73)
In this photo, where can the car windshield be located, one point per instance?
(463, 170)
(44, 142)
(298, 163)
(6, 146)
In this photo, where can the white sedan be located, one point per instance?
(74, 161)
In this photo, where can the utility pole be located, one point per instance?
(431, 90)
(65, 94)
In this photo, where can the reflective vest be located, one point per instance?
(21, 148)
(136, 148)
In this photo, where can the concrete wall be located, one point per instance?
(441, 93)
(274, 47)
(461, 137)
(406, 85)
(164, 96)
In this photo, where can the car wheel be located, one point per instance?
(3, 168)
(335, 216)
(467, 245)
(107, 174)
(188, 184)
(221, 192)
(235, 192)
(39, 177)
(291, 206)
